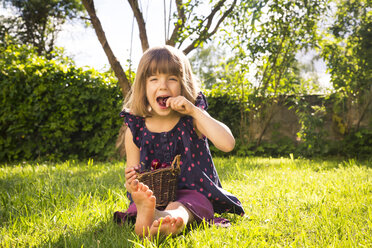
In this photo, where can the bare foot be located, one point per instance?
(145, 203)
(166, 226)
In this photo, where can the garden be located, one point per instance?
(302, 162)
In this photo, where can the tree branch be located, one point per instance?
(114, 63)
(179, 25)
(205, 34)
(141, 24)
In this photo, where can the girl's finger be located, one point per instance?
(169, 102)
(131, 180)
(128, 169)
(172, 100)
(129, 174)
(178, 104)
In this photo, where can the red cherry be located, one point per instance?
(155, 164)
(164, 165)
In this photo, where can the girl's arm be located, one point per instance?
(214, 130)
(133, 159)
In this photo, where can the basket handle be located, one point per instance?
(176, 161)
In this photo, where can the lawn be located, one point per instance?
(288, 202)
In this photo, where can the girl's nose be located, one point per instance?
(163, 83)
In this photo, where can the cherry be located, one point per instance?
(155, 164)
(164, 165)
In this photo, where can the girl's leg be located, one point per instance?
(150, 221)
(145, 203)
(172, 220)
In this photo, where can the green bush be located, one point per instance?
(357, 144)
(52, 109)
(224, 108)
(314, 142)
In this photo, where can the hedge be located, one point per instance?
(50, 109)
(53, 110)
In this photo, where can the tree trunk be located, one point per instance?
(265, 124)
(141, 24)
(267, 120)
(114, 63)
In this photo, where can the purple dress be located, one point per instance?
(197, 169)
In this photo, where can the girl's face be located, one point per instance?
(159, 88)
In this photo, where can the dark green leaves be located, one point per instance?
(51, 109)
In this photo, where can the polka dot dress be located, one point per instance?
(197, 168)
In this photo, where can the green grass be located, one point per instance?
(288, 203)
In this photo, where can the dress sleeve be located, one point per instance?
(201, 101)
(135, 124)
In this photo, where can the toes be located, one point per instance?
(167, 219)
(173, 221)
(156, 223)
(167, 225)
(135, 182)
(152, 199)
(163, 221)
(144, 187)
(179, 222)
(148, 193)
(140, 185)
(135, 185)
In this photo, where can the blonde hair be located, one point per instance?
(163, 59)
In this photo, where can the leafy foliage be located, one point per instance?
(38, 22)
(347, 49)
(314, 114)
(50, 108)
(312, 133)
(265, 37)
(205, 63)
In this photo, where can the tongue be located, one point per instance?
(162, 101)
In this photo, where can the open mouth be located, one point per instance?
(162, 100)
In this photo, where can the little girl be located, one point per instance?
(166, 116)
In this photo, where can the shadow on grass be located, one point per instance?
(35, 194)
(104, 234)
(48, 193)
(110, 234)
(52, 191)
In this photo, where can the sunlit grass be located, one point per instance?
(288, 202)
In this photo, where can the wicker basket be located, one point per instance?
(162, 182)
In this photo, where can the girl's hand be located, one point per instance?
(181, 105)
(130, 177)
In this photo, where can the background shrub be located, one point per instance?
(52, 109)
(313, 131)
